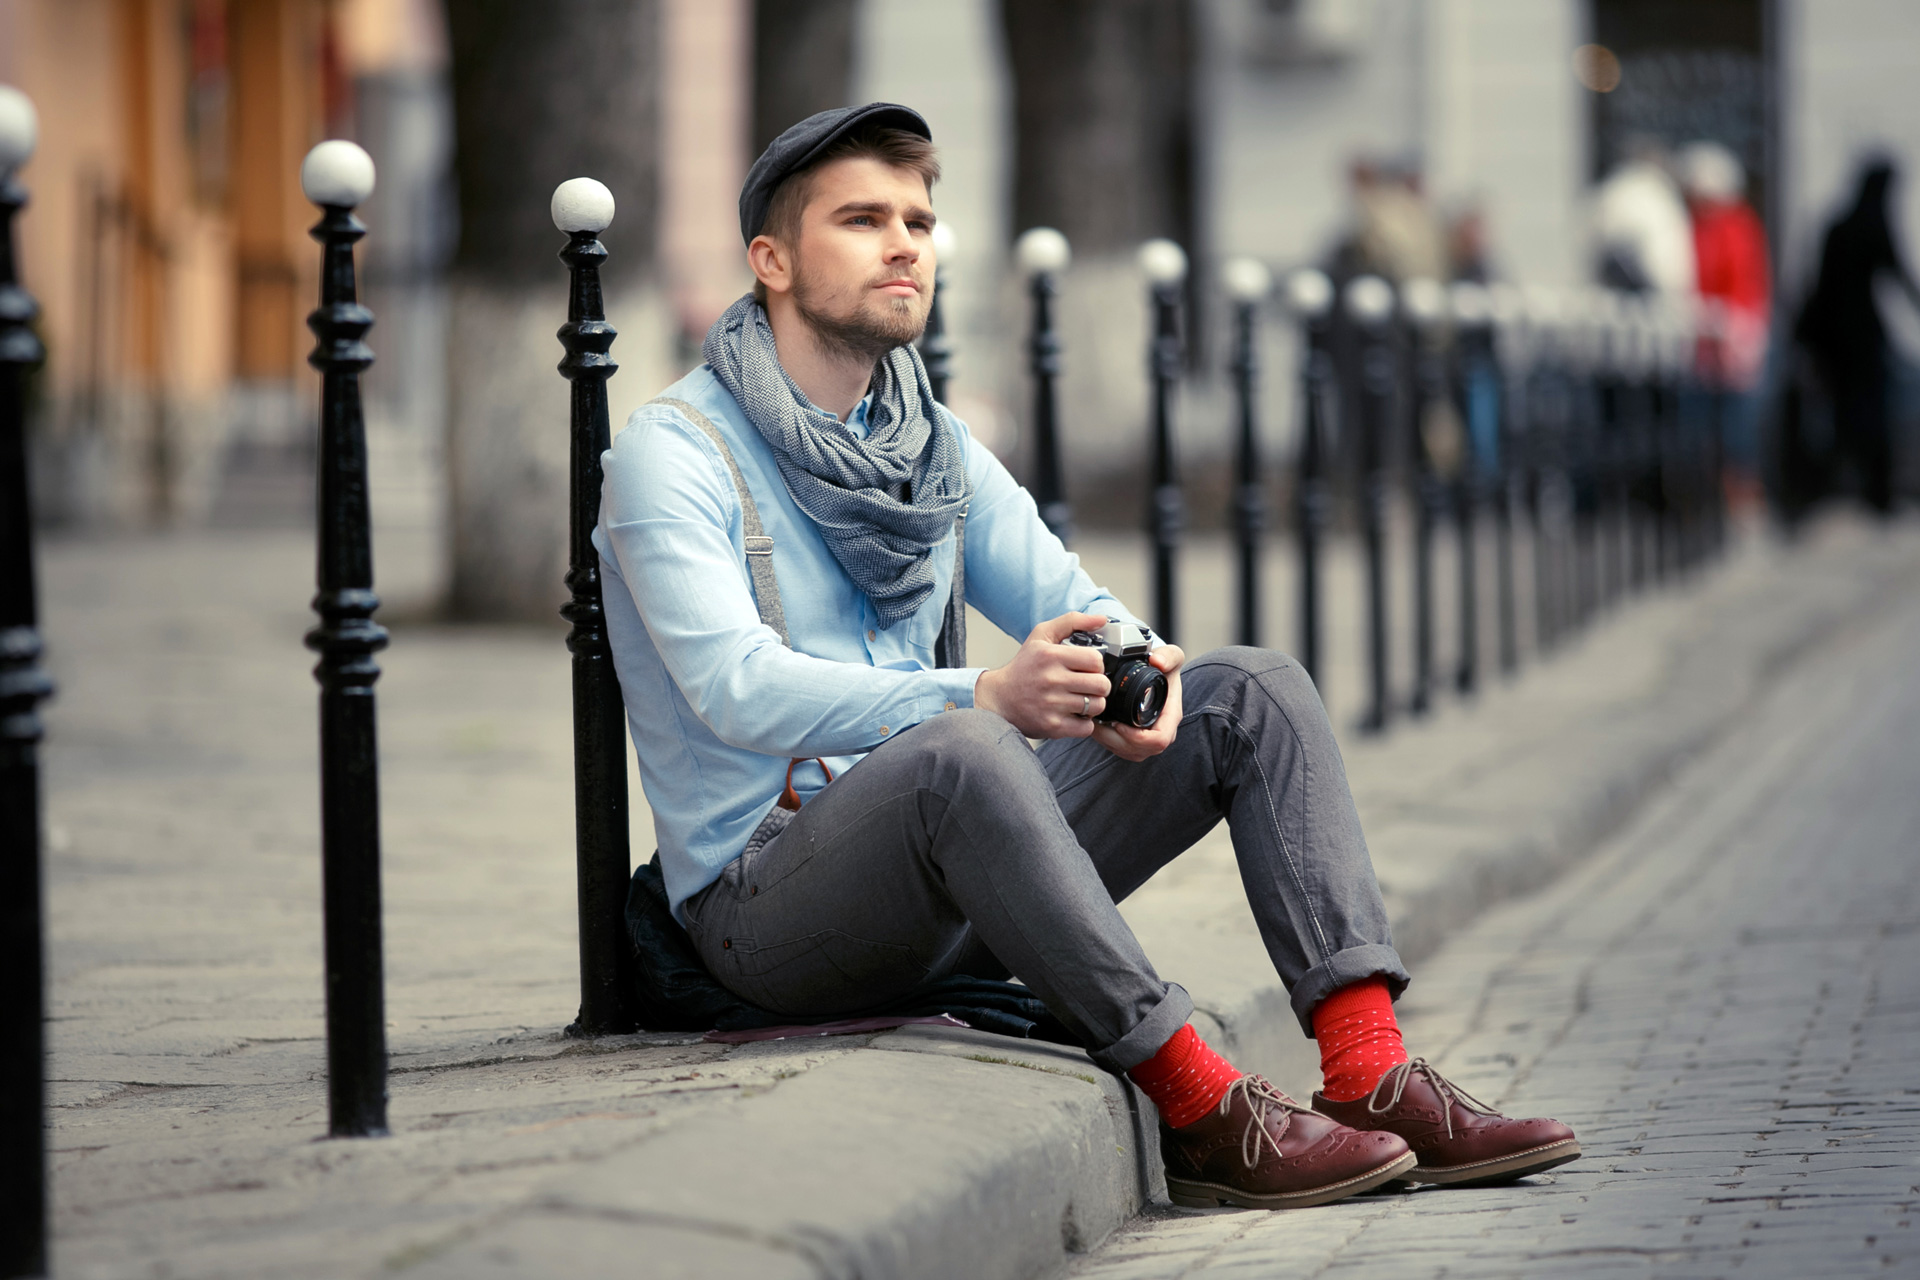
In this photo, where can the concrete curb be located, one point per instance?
(985, 1157)
(961, 1155)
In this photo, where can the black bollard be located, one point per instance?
(1609, 471)
(1546, 412)
(337, 176)
(1248, 283)
(1369, 302)
(1504, 310)
(1638, 399)
(23, 686)
(1310, 299)
(1583, 455)
(1044, 255)
(583, 208)
(1164, 263)
(1474, 382)
(1665, 424)
(1423, 310)
(936, 349)
(1717, 379)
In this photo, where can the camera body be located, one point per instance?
(1139, 692)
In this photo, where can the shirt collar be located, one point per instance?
(857, 420)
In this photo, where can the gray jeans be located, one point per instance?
(958, 848)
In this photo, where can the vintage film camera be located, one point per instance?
(1139, 688)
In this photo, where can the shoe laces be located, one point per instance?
(1262, 1100)
(1449, 1092)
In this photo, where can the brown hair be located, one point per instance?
(896, 147)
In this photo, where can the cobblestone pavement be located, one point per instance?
(1725, 1002)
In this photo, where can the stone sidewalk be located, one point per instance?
(186, 1001)
(1724, 1001)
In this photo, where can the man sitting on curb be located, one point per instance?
(846, 813)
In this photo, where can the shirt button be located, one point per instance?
(872, 635)
(884, 731)
(949, 706)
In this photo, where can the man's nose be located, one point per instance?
(900, 246)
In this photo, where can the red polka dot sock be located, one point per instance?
(1185, 1079)
(1359, 1039)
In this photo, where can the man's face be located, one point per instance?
(863, 267)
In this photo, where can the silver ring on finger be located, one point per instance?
(1086, 700)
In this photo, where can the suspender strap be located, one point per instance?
(766, 588)
(950, 650)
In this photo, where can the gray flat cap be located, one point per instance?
(798, 146)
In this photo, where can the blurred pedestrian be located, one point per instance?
(1733, 274)
(1394, 233)
(1645, 236)
(1841, 328)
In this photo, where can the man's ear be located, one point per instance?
(772, 263)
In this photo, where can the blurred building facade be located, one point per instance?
(167, 239)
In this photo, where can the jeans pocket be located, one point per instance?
(756, 867)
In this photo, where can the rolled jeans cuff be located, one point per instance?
(1343, 969)
(1152, 1031)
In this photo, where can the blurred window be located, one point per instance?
(205, 30)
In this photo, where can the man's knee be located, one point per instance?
(1236, 667)
(972, 740)
(983, 766)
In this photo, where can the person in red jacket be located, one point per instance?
(1734, 280)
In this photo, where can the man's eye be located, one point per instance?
(860, 220)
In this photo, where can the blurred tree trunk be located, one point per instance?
(542, 93)
(1103, 119)
(802, 62)
(1105, 149)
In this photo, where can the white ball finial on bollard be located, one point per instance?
(1508, 306)
(19, 128)
(1309, 293)
(337, 174)
(1469, 303)
(1369, 300)
(1246, 279)
(1042, 251)
(1163, 262)
(582, 204)
(1424, 300)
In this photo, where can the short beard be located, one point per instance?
(862, 335)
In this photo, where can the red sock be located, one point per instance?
(1185, 1079)
(1359, 1039)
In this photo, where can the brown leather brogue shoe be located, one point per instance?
(1460, 1141)
(1260, 1149)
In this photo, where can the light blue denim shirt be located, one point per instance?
(716, 704)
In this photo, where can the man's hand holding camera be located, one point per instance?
(1058, 686)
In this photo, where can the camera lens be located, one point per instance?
(1139, 695)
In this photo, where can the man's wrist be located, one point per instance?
(986, 691)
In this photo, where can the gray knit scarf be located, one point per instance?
(850, 487)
